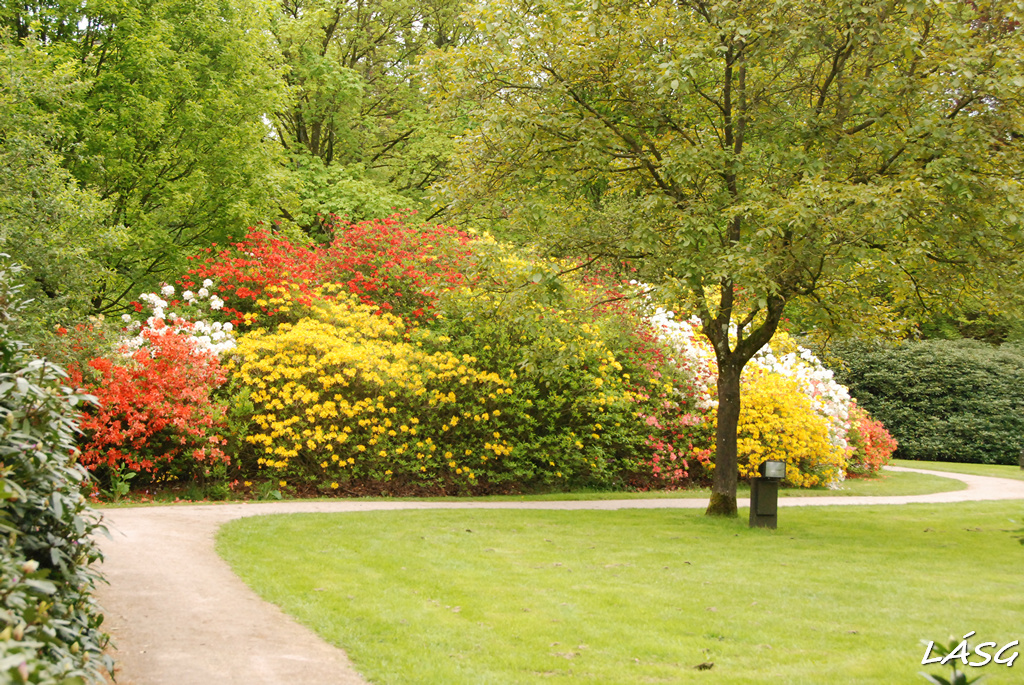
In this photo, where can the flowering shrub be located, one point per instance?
(777, 421)
(412, 360)
(597, 391)
(156, 412)
(187, 318)
(828, 398)
(693, 354)
(871, 445)
(386, 263)
(569, 414)
(348, 398)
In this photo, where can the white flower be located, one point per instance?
(127, 318)
(188, 295)
(216, 302)
(207, 283)
(167, 291)
(228, 327)
(203, 292)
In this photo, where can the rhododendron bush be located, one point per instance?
(778, 421)
(386, 263)
(810, 400)
(415, 360)
(156, 412)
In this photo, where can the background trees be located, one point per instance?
(48, 222)
(749, 157)
(357, 134)
(164, 127)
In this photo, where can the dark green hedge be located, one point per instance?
(960, 401)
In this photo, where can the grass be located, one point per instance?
(997, 470)
(836, 595)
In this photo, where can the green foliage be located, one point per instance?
(315, 195)
(356, 129)
(748, 156)
(49, 624)
(942, 400)
(166, 124)
(49, 223)
(571, 415)
(578, 398)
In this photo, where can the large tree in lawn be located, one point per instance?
(747, 155)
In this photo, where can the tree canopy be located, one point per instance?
(166, 125)
(355, 130)
(752, 156)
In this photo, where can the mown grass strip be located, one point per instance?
(835, 595)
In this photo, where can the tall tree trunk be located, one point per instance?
(723, 487)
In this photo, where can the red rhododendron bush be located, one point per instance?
(405, 359)
(387, 264)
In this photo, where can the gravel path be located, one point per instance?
(179, 616)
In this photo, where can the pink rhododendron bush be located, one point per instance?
(402, 359)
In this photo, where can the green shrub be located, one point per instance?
(570, 415)
(959, 401)
(49, 624)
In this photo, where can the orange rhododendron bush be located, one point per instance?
(156, 413)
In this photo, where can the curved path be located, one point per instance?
(179, 616)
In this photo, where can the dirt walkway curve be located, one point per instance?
(179, 615)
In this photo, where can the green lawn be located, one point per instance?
(997, 470)
(836, 595)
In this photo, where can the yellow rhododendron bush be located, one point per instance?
(778, 421)
(595, 400)
(348, 396)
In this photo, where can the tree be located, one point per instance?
(356, 130)
(48, 224)
(168, 127)
(752, 156)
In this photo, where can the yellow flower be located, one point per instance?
(282, 483)
(334, 486)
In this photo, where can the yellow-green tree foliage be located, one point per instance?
(777, 421)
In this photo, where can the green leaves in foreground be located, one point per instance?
(49, 623)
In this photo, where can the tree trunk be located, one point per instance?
(723, 487)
